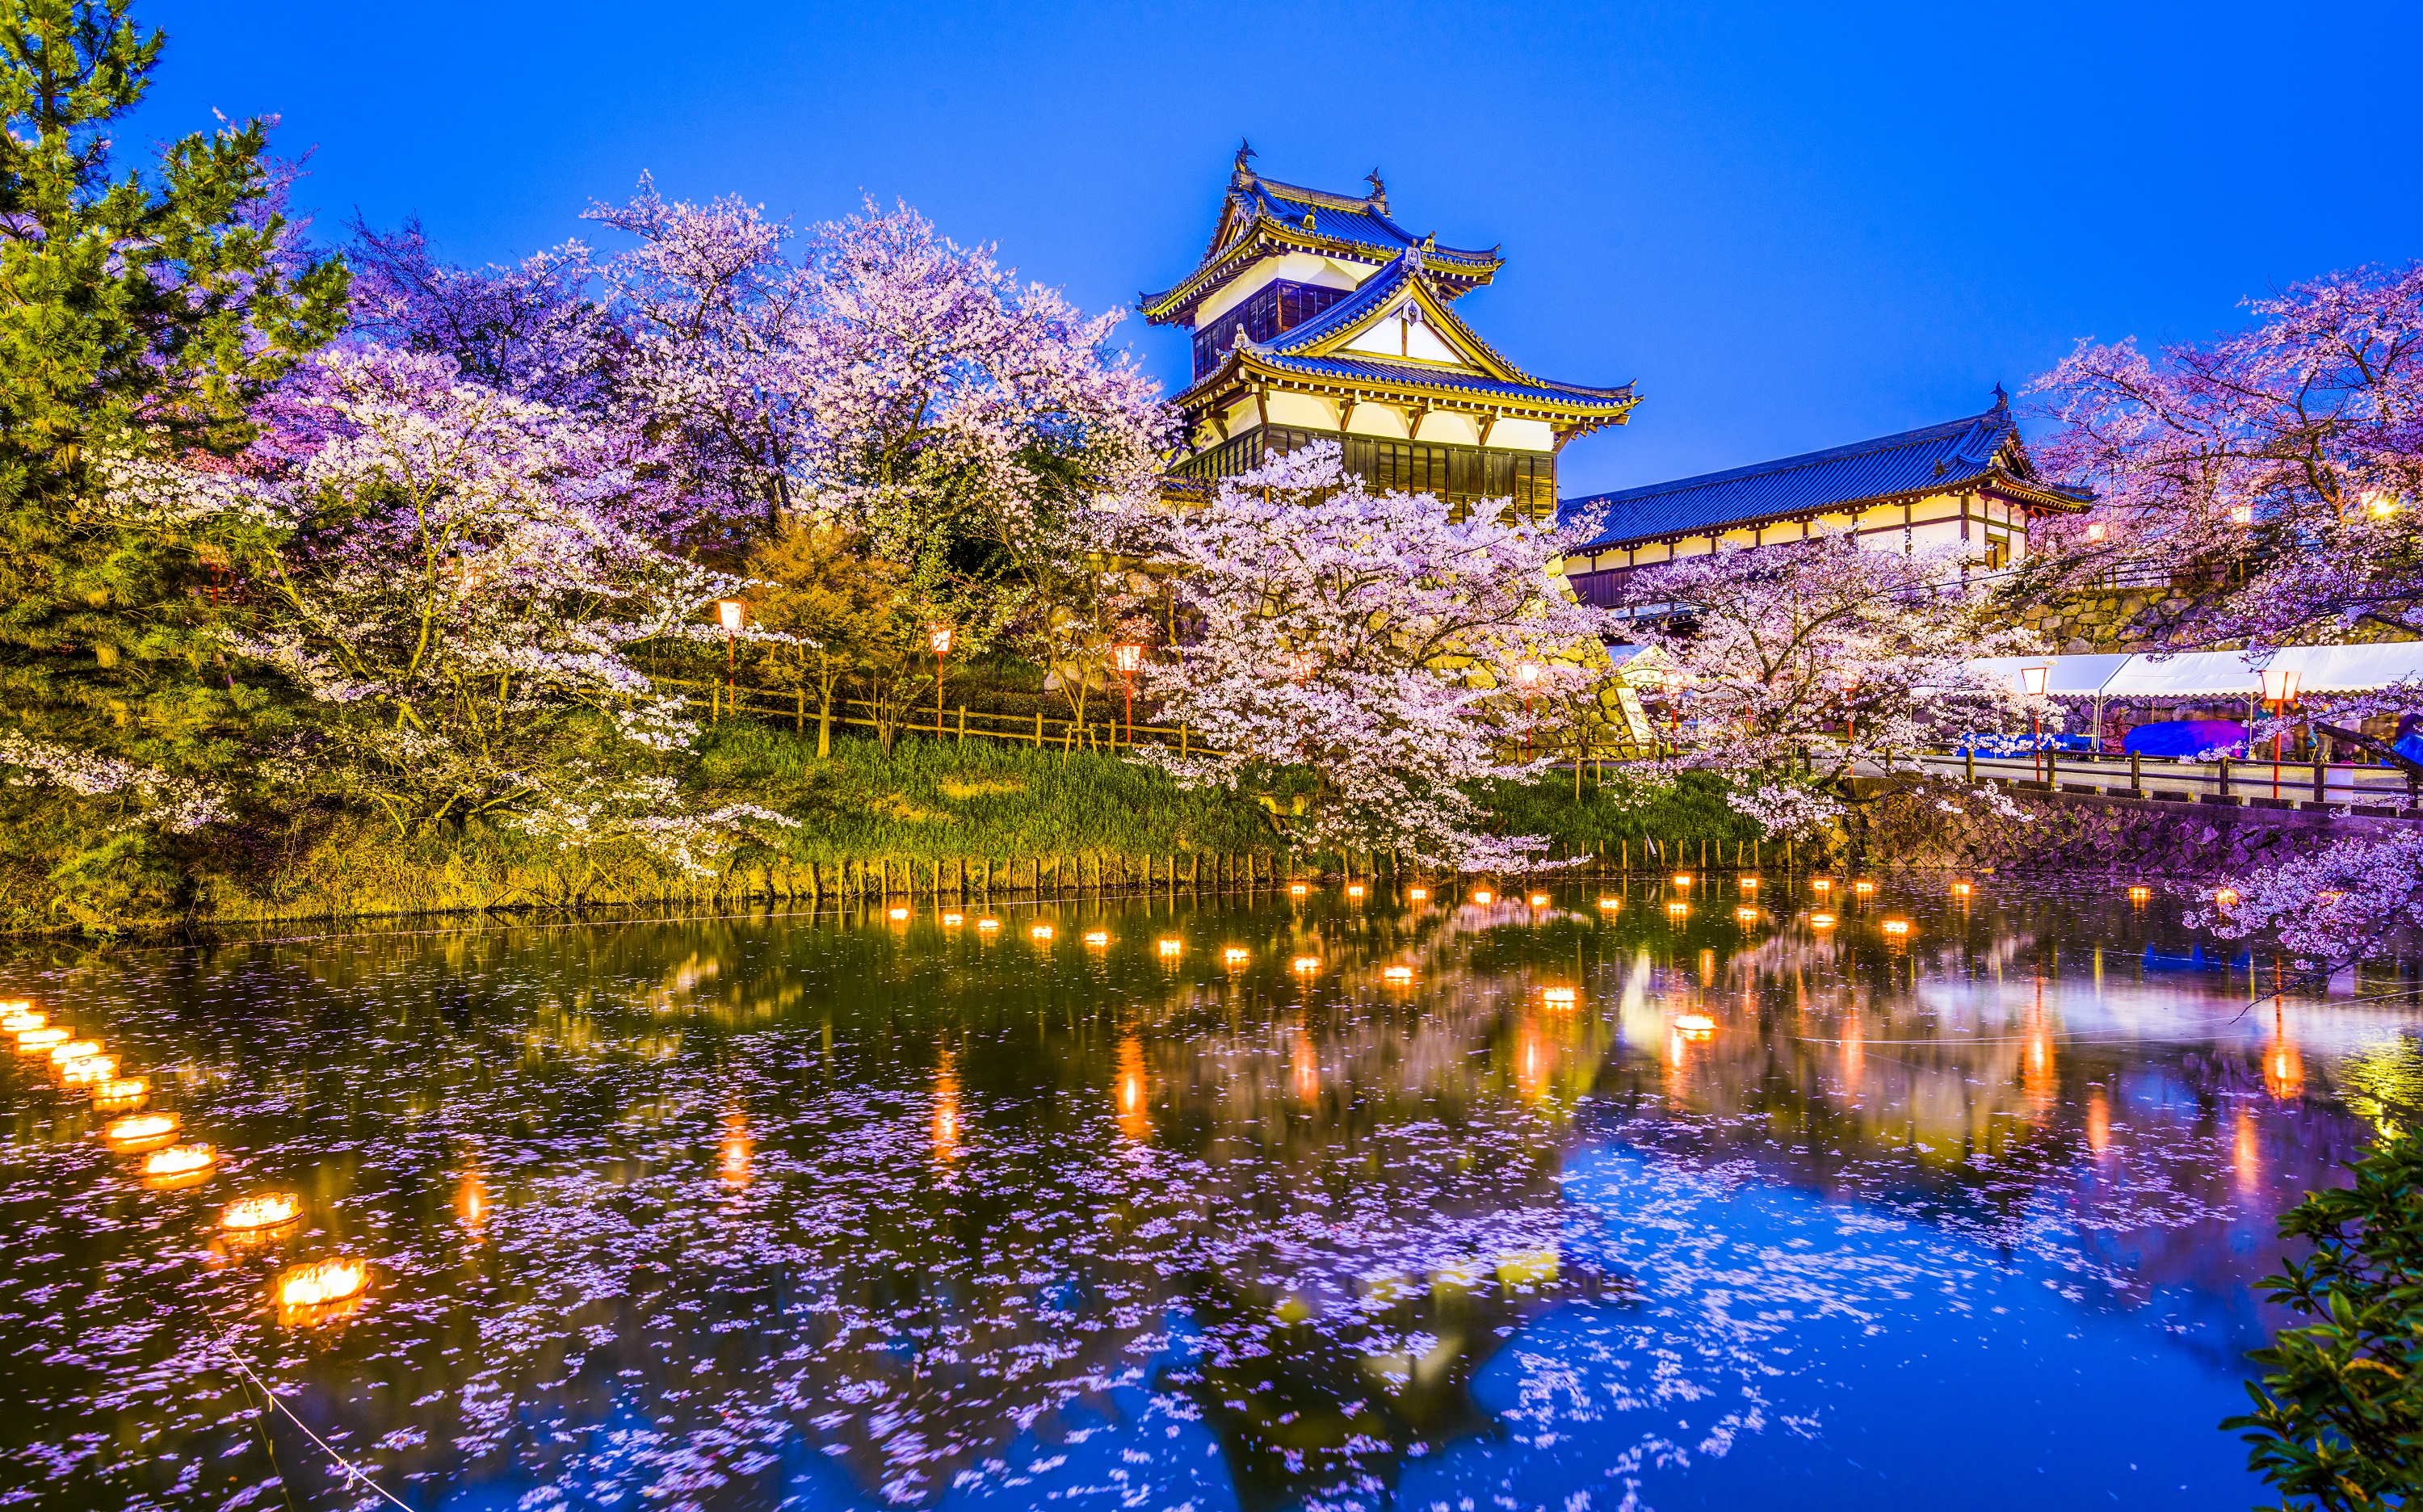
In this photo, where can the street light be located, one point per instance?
(730, 613)
(1127, 658)
(2279, 691)
(938, 635)
(1850, 715)
(1527, 677)
(2031, 682)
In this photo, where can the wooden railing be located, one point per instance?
(2249, 781)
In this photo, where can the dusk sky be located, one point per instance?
(1793, 227)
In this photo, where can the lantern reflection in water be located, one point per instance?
(1557, 997)
(1397, 976)
(121, 1095)
(1354, 889)
(182, 1165)
(899, 916)
(986, 926)
(1855, 1051)
(1682, 879)
(2283, 1071)
(1610, 903)
(2141, 894)
(2098, 1121)
(319, 1291)
(1097, 938)
(1896, 926)
(1169, 947)
(732, 1160)
(20, 1020)
(1128, 1088)
(1747, 884)
(255, 1214)
(1695, 1026)
(1483, 894)
(1821, 921)
(1962, 889)
(471, 1202)
(1417, 893)
(1530, 1064)
(1297, 889)
(38, 1041)
(952, 921)
(1306, 965)
(1821, 885)
(946, 1111)
(1747, 914)
(1678, 910)
(1539, 899)
(2246, 1151)
(139, 1132)
(74, 1050)
(1042, 931)
(1864, 888)
(1304, 1066)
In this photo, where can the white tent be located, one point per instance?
(2212, 674)
(2337, 669)
(2070, 676)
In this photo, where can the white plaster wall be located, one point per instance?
(1300, 267)
(1454, 429)
(1303, 410)
(1521, 436)
(1376, 420)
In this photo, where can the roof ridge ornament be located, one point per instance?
(1379, 195)
(2001, 400)
(1242, 174)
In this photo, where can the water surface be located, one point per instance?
(840, 1211)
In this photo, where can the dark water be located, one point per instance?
(840, 1212)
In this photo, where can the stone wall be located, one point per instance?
(2084, 834)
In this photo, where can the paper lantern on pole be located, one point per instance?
(731, 613)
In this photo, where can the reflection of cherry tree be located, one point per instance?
(2287, 455)
(1800, 663)
(1351, 668)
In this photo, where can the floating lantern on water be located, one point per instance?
(1822, 921)
(1695, 1026)
(1397, 976)
(73, 1050)
(952, 921)
(1417, 893)
(1747, 884)
(1297, 889)
(1747, 914)
(120, 1094)
(308, 1294)
(1097, 938)
(1821, 884)
(899, 916)
(2140, 894)
(988, 925)
(138, 1132)
(2225, 898)
(1863, 886)
(1961, 890)
(1306, 965)
(1678, 910)
(1169, 947)
(1896, 926)
(1539, 899)
(1235, 955)
(1483, 894)
(1557, 997)
(1682, 879)
(1042, 931)
(86, 1071)
(1610, 903)
(1354, 889)
(19, 1020)
(253, 1215)
(180, 1165)
(38, 1041)
(15, 1005)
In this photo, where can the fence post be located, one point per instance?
(1038, 729)
(2224, 778)
(2136, 774)
(963, 724)
(2322, 783)
(1181, 736)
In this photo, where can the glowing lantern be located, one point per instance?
(1169, 947)
(121, 1095)
(250, 1215)
(21, 1018)
(952, 921)
(1821, 885)
(1863, 888)
(1097, 938)
(2140, 893)
(1678, 910)
(1397, 976)
(1896, 926)
(1306, 965)
(1682, 879)
(899, 916)
(38, 1041)
(1482, 895)
(1610, 903)
(2225, 898)
(2241, 514)
(1747, 884)
(73, 1050)
(1417, 893)
(988, 925)
(2095, 533)
(1042, 931)
(1527, 674)
(1236, 955)
(728, 612)
(1297, 889)
(1747, 914)
(88, 1071)
(1695, 1026)
(1822, 921)
(938, 635)
(1539, 899)
(181, 1165)
(1354, 889)
(306, 1294)
(1557, 997)
(139, 1132)
(1961, 890)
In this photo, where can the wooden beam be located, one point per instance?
(1488, 423)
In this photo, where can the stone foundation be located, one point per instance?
(2084, 834)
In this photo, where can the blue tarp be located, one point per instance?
(2186, 737)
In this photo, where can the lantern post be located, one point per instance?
(938, 635)
(730, 613)
(2033, 681)
(1126, 657)
(1527, 677)
(2279, 691)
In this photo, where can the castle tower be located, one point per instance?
(1317, 317)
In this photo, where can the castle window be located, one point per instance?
(1280, 305)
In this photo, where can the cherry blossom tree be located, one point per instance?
(2286, 458)
(1351, 672)
(452, 581)
(1797, 665)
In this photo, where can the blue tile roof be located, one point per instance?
(1423, 375)
(1933, 459)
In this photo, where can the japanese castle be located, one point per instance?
(1317, 317)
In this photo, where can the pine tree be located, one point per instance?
(140, 314)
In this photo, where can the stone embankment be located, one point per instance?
(2092, 835)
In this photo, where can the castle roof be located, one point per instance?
(1262, 217)
(1982, 451)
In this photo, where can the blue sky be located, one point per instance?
(1792, 226)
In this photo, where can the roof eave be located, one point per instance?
(1995, 480)
(1172, 304)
